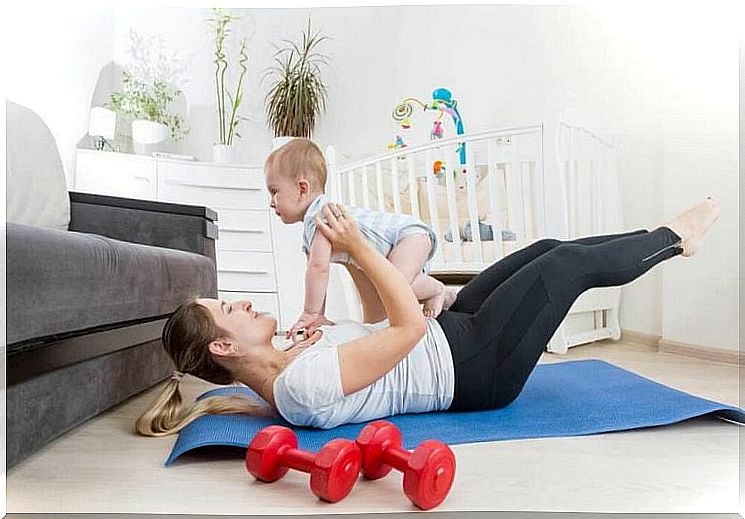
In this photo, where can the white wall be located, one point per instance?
(686, 66)
(55, 68)
(668, 81)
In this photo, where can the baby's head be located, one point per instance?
(295, 176)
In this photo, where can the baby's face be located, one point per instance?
(285, 196)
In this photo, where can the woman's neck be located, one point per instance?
(258, 371)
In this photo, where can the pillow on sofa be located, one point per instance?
(36, 186)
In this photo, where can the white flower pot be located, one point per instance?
(149, 137)
(225, 154)
(280, 141)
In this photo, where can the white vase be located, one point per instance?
(149, 137)
(280, 141)
(224, 153)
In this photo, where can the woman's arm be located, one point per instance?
(365, 360)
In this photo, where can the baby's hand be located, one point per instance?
(308, 322)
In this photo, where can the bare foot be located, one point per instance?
(450, 295)
(433, 305)
(691, 225)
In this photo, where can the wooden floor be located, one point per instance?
(103, 467)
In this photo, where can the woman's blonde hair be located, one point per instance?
(300, 158)
(186, 338)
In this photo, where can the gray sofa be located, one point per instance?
(86, 306)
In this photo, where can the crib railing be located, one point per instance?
(480, 211)
(518, 185)
(590, 196)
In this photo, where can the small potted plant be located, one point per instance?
(150, 84)
(297, 94)
(227, 103)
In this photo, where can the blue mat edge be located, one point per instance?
(718, 409)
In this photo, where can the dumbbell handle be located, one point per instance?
(297, 459)
(396, 457)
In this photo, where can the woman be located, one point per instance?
(477, 355)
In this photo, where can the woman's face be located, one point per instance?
(245, 325)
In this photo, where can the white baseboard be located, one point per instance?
(645, 339)
(684, 349)
(702, 352)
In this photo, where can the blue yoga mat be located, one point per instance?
(563, 399)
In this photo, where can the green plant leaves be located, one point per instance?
(141, 100)
(298, 94)
(228, 119)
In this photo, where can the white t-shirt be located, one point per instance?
(309, 391)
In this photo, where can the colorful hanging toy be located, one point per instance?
(398, 144)
(442, 101)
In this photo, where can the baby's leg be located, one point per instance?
(372, 307)
(409, 256)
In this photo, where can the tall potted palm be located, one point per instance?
(297, 94)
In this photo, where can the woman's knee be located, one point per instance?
(546, 244)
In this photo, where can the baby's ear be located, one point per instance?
(304, 185)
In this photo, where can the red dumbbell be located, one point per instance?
(333, 471)
(428, 470)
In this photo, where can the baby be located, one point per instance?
(296, 179)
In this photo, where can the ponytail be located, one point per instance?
(167, 414)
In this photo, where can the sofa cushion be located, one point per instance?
(62, 282)
(36, 185)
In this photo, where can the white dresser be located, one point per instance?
(250, 256)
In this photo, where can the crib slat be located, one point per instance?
(336, 182)
(365, 189)
(527, 193)
(515, 194)
(396, 191)
(540, 179)
(473, 208)
(596, 169)
(412, 186)
(379, 185)
(432, 203)
(352, 187)
(452, 208)
(496, 217)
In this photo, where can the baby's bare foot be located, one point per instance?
(691, 225)
(433, 305)
(450, 294)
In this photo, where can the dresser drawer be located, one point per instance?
(212, 186)
(245, 271)
(115, 174)
(262, 302)
(244, 231)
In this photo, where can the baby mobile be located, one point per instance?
(443, 102)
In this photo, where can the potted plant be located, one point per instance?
(297, 94)
(227, 103)
(150, 84)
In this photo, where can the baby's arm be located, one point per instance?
(316, 283)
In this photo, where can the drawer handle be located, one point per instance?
(254, 231)
(173, 182)
(236, 271)
(142, 177)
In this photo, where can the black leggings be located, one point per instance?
(503, 318)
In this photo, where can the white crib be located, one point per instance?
(516, 186)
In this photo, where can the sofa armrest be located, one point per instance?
(174, 226)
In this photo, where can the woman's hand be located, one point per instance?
(341, 230)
